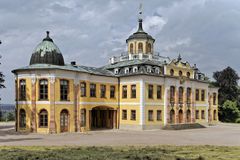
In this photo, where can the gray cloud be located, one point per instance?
(205, 32)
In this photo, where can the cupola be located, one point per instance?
(140, 41)
(47, 52)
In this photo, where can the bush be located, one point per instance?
(230, 111)
(237, 120)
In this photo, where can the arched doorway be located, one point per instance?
(103, 117)
(22, 118)
(64, 121)
(172, 116)
(188, 116)
(180, 116)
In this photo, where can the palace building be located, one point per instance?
(137, 90)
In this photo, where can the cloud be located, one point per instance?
(205, 32)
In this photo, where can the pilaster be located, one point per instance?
(52, 128)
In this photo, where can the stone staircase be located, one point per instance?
(183, 126)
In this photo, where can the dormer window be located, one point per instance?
(180, 73)
(116, 70)
(171, 72)
(157, 70)
(135, 69)
(126, 70)
(149, 68)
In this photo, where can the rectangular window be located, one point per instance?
(159, 92)
(159, 115)
(83, 118)
(133, 91)
(197, 95)
(22, 95)
(103, 91)
(197, 114)
(133, 115)
(124, 91)
(83, 89)
(43, 89)
(112, 91)
(202, 114)
(188, 95)
(150, 91)
(64, 89)
(150, 115)
(92, 90)
(124, 114)
(214, 98)
(203, 95)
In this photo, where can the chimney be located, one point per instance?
(73, 63)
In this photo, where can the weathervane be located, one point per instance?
(140, 11)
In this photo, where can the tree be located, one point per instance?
(230, 111)
(227, 81)
(10, 116)
(1, 85)
(1, 78)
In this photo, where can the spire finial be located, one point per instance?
(47, 33)
(179, 57)
(140, 28)
(140, 11)
(47, 37)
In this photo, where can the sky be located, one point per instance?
(204, 32)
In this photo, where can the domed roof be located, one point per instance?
(47, 52)
(140, 34)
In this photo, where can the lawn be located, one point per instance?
(121, 153)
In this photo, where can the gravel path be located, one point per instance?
(221, 134)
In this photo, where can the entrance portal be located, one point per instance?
(188, 116)
(172, 116)
(64, 120)
(103, 117)
(180, 116)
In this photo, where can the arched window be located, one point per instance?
(172, 72)
(180, 73)
(188, 74)
(43, 89)
(131, 48)
(180, 94)
(140, 47)
(22, 90)
(22, 118)
(149, 48)
(43, 118)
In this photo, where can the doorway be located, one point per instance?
(64, 121)
(103, 118)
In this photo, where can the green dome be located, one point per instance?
(47, 52)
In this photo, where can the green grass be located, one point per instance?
(121, 153)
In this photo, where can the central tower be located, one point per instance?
(140, 41)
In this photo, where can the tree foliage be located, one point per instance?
(2, 80)
(227, 81)
(230, 111)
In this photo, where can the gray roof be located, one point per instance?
(68, 67)
(133, 62)
(140, 34)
